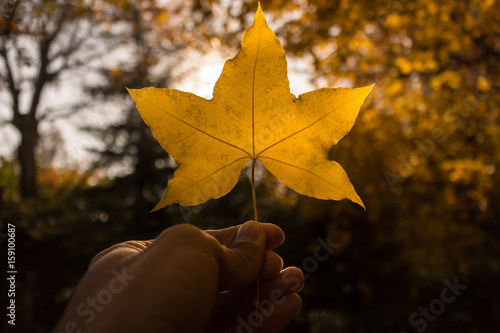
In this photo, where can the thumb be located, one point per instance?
(240, 262)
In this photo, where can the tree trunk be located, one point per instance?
(26, 153)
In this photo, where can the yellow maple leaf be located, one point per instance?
(252, 116)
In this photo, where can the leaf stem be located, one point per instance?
(256, 218)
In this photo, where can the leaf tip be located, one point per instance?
(158, 206)
(362, 205)
(369, 88)
(357, 200)
(259, 18)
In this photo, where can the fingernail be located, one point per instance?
(248, 231)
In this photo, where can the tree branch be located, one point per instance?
(75, 45)
(54, 114)
(43, 74)
(14, 91)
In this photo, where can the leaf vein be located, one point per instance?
(302, 129)
(253, 94)
(302, 169)
(216, 171)
(200, 130)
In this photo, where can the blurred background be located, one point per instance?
(79, 170)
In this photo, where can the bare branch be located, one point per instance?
(75, 45)
(43, 74)
(67, 66)
(13, 89)
(60, 113)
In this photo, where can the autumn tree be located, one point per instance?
(46, 42)
(41, 41)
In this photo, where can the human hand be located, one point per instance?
(188, 280)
